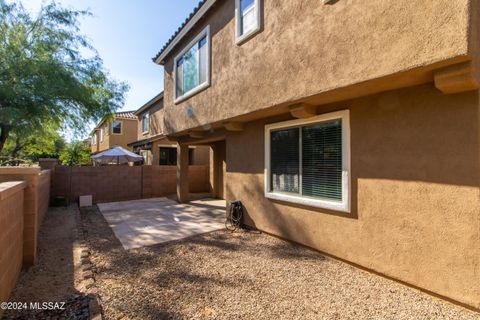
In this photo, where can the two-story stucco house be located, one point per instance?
(352, 127)
(151, 142)
(119, 130)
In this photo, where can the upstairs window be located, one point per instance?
(145, 123)
(192, 67)
(101, 134)
(307, 161)
(117, 127)
(247, 16)
(94, 138)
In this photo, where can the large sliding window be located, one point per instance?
(192, 67)
(307, 161)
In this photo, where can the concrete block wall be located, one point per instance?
(11, 235)
(36, 200)
(159, 181)
(106, 183)
(119, 183)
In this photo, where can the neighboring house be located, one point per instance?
(151, 142)
(351, 127)
(119, 131)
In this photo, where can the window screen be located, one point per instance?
(307, 160)
(192, 68)
(322, 160)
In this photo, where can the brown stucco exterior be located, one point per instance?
(415, 172)
(307, 50)
(409, 73)
(155, 112)
(154, 138)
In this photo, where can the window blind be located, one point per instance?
(322, 160)
(307, 160)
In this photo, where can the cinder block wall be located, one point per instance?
(119, 183)
(36, 200)
(11, 238)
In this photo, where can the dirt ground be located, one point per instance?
(53, 278)
(244, 275)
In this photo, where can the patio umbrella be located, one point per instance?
(116, 155)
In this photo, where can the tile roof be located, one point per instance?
(197, 8)
(126, 115)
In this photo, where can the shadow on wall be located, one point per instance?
(414, 134)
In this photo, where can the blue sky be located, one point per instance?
(127, 34)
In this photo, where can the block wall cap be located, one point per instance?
(9, 188)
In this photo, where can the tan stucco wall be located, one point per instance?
(96, 146)
(307, 48)
(201, 155)
(415, 170)
(128, 135)
(156, 121)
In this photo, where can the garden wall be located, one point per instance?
(11, 235)
(35, 204)
(118, 183)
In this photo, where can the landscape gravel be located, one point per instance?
(244, 275)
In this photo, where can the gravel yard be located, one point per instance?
(54, 279)
(244, 275)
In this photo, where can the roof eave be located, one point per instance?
(147, 105)
(200, 13)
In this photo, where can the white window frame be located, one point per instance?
(147, 116)
(202, 86)
(343, 205)
(241, 38)
(94, 139)
(101, 134)
(121, 127)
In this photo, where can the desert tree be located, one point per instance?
(50, 73)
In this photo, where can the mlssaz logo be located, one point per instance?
(47, 305)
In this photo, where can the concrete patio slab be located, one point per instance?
(146, 222)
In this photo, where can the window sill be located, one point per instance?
(239, 40)
(145, 132)
(192, 92)
(317, 203)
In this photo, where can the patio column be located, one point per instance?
(182, 173)
(217, 170)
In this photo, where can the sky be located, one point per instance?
(127, 34)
